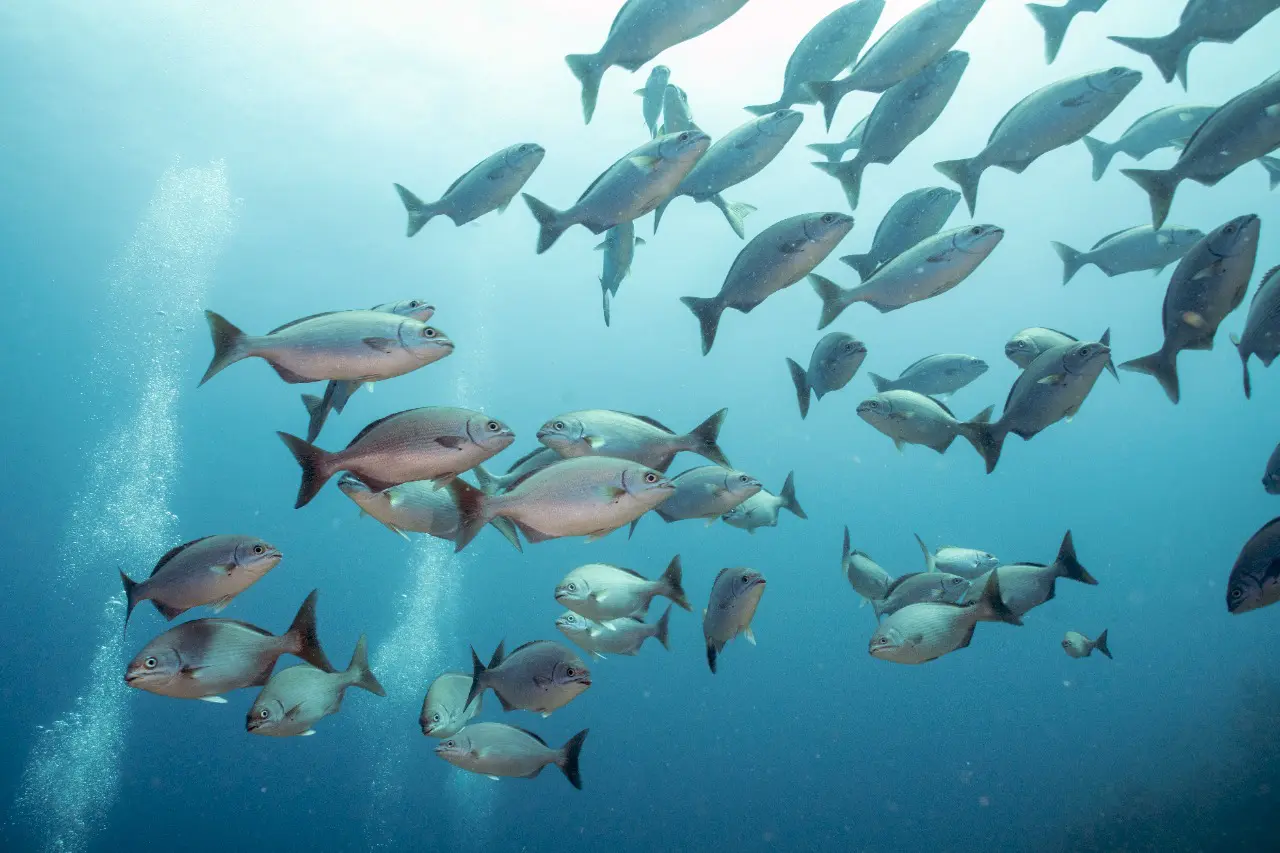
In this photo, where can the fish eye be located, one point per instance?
(413, 303)
(1230, 229)
(975, 230)
(523, 148)
(684, 137)
(558, 425)
(435, 718)
(1066, 644)
(828, 218)
(1237, 593)
(449, 744)
(428, 332)
(651, 477)
(744, 478)
(150, 663)
(746, 578)
(493, 426)
(572, 587)
(571, 672)
(848, 347)
(264, 714)
(259, 549)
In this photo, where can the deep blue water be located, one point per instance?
(240, 158)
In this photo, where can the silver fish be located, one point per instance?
(1077, 645)
(900, 116)
(540, 676)
(1131, 250)
(1025, 586)
(534, 460)
(487, 186)
(622, 636)
(914, 217)
(1209, 283)
(1271, 476)
(706, 492)
(1244, 128)
(211, 570)
(627, 190)
(603, 432)
(1024, 347)
(496, 749)
(911, 418)
(652, 93)
(600, 592)
(831, 46)
(761, 509)
(966, 562)
(919, 633)
(641, 30)
(775, 259)
(677, 116)
(619, 247)
(204, 658)
(934, 375)
(917, 587)
(416, 507)
(363, 345)
(1050, 117)
(735, 595)
(297, 698)
(835, 360)
(1261, 336)
(1167, 127)
(434, 443)
(931, 267)
(445, 709)
(1056, 19)
(864, 574)
(1255, 578)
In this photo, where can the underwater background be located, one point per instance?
(158, 160)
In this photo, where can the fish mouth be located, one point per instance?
(252, 724)
(757, 582)
(585, 682)
(1011, 349)
(131, 677)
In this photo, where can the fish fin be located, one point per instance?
(542, 681)
(711, 656)
(708, 312)
(788, 497)
(879, 382)
(130, 597)
(303, 638)
(991, 602)
(734, 213)
(672, 582)
(1101, 152)
(833, 151)
(219, 604)
(986, 439)
(315, 464)
(644, 161)
(661, 630)
(229, 344)
(865, 265)
(834, 298)
(1067, 566)
(474, 512)
(849, 174)
(765, 109)
(1101, 645)
(1054, 20)
(597, 535)
(1162, 366)
(828, 93)
(749, 635)
(899, 444)
(1072, 260)
(533, 535)
(1052, 379)
(1244, 360)
(307, 733)
(800, 378)
(420, 212)
(383, 345)
(551, 222)
(453, 442)
(168, 612)
(288, 375)
(1159, 185)
(966, 174)
(1164, 51)
(215, 700)
(930, 562)
(703, 439)
(589, 69)
(567, 759)
(508, 530)
(358, 673)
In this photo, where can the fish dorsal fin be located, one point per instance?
(173, 552)
(1113, 235)
(368, 429)
(519, 649)
(631, 572)
(262, 632)
(526, 458)
(653, 422)
(915, 363)
(941, 405)
(1261, 282)
(1064, 334)
(293, 323)
(719, 575)
(532, 735)
(897, 582)
(527, 474)
(618, 17)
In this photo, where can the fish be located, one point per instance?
(603, 432)
(733, 158)
(434, 443)
(1201, 21)
(916, 587)
(652, 92)
(919, 38)
(1261, 336)
(930, 268)
(1167, 127)
(1054, 386)
(1272, 167)
(1024, 347)
(864, 574)
(908, 417)
(1025, 586)
(835, 151)
(622, 636)
(487, 186)
(619, 247)
(204, 658)
(584, 496)
(210, 570)
(496, 749)
(541, 676)
(1271, 476)
(706, 492)
(534, 460)
(1255, 578)
(968, 563)
(735, 596)
(627, 190)
(774, 259)
(914, 217)
(1051, 117)
(363, 345)
(1243, 129)
(922, 632)
(676, 114)
(834, 362)
(445, 709)
(1130, 250)
(934, 375)
(416, 507)
(1077, 645)
(1057, 19)
(297, 698)
(831, 46)
(901, 115)
(761, 509)
(600, 592)
(641, 30)
(1209, 283)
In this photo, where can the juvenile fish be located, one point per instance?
(433, 443)
(934, 375)
(653, 91)
(416, 507)
(1027, 345)
(297, 698)
(618, 637)
(761, 509)
(540, 676)
(835, 360)
(604, 593)
(1056, 19)
(1167, 127)
(919, 633)
(966, 562)
(619, 247)
(1255, 578)
(735, 595)
(1131, 250)
(487, 186)
(911, 418)
(775, 259)
(445, 709)
(864, 574)
(706, 492)
(914, 217)
(1077, 645)
(1261, 336)
(205, 658)
(1025, 586)
(534, 460)
(917, 587)
(211, 570)
(1209, 283)
(496, 749)
(1271, 476)
(603, 432)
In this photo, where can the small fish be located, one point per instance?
(434, 443)
(677, 117)
(622, 636)
(496, 749)
(835, 360)
(1027, 345)
(1271, 477)
(965, 562)
(416, 507)
(487, 186)
(864, 574)
(204, 658)
(1025, 586)
(914, 217)
(297, 698)
(1077, 645)
(1167, 127)
(920, 586)
(603, 593)
(1056, 19)
(619, 247)
(1255, 578)
(603, 432)
(1131, 250)
(761, 509)
(735, 595)
(919, 633)
(911, 418)
(211, 570)
(1261, 336)
(445, 709)
(540, 676)
(360, 345)
(706, 492)
(934, 375)
(534, 460)
(652, 92)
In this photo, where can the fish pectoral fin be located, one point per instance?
(494, 778)
(288, 375)
(542, 681)
(214, 700)
(546, 714)
(645, 162)
(1052, 379)
(594, 441)
(223, 568)
(452, 441)
(1194, 319)
(938, 258)
(599, 534)
(307, 733)
(968, 637)
(191, 671)
(899, 443)
(597, 655)
(294, 712)
(1077, 101)
(218, 604)
(750, 636)
(711, 520)
(394, 500)
(443, 480)
(793, 246)
(383, 345)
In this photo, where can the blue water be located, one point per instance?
(158, 160)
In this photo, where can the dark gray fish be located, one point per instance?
(487, 186)
(735, 595)
(1131, 250)
(619, 247)
(1255, 578)
(1261, 336)
(1271, 476)
(1025, 586)
(652, 93)
(540, 676)
(295, 699)
(1026, 346)
(761, 509)
(920, 586)
(1167, 127)
(417, 507)
(1056, 19)
(913, 218)
(496, 749)
(835, 360)
(934, 375)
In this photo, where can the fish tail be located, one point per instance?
(130, 597)
(473, 512)
(833, 151)
(478, 670)
(358, 673)
(986, 439)
(1072, 260)
(1165, 51)
(589, 71)
(1161, 365)
(965, 174)
(303, 637)
(487, 482)
(315, 464)
(1067, 566)
(877, 607)
(828, 93)
(865, 265)
(788, 496)
(930, 562)
(662, 627)
(1272, 165)
(765, 109)
(708, 312)
(672, 582)
(1244, 360)
(991, 606)
(567, 760)
(1105, 340)
(1101, 645)
(849, 174)
(800, 378)
(734, 212)
(1055, 20)
(507, 528)
(229, 344)
(1159, 185)
(834, 298)
(881, 384)
(1102, 152)
(703, 438)
(550, 222)
(420, 212)
(317, 413)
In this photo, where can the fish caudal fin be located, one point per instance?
(550, 222)
(1055, 20)
(788, 496)
(1102, 152)
(315, 465)
(420, 213)
(834, 298)
(567, 760)
(358, 673)
(765, 109)
(661, 629)
(703, 438)
(734, 212)
(1072, 260)
(1101, 645)
(991, 606)
(589, 71)
(833, 151)
(881, 384)
(930, 562)
(1244, 361)
(800, 378)
(849, 174)
(473, 512)
(304, 639)
(708, 312)
(1067, 566)
(865, 265)
(130, 597)
(487, 482)
(478, 670)
(1159, 185)
(672, 582)
(1272, 165)
(1105, 340)
(828, 93)
(986, 439)
(1165, 52)
(1163, 366)
(965, 174)
(229, 344)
